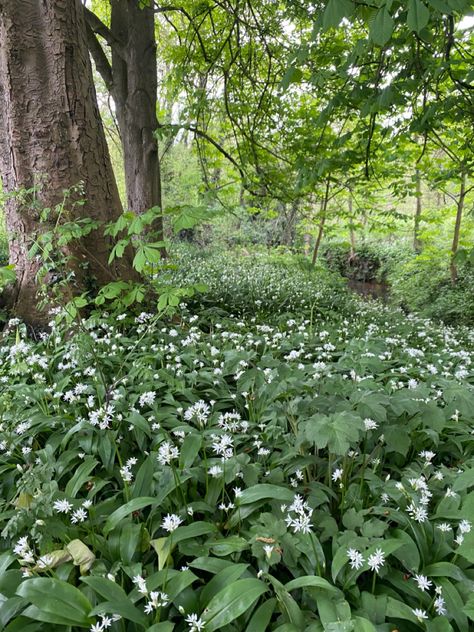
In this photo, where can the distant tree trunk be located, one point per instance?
(351, 227)
(50, 129)
(322, 222)
(457, 229)
(416, 228)
(131, 79)
(288, 233)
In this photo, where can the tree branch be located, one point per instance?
(100, 28)
(100, 58)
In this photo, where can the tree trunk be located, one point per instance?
(416, 227)
(50, 130)
(351, 228)
(132, 82)
(322, 221)
(457, 230)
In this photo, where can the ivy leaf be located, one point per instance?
(418, 15)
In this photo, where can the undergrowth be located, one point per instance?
(280, 456)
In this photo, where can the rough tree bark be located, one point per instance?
(131, 79)
(50, 129)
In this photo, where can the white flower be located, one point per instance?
(140, 582)
(465, 526)
(223, 445)
(356, 559)
(45, 561)
(198, 412)
(147, 399)
(420, 614)
(337, 474)
(171, 522)
(157, 600)
(62, 506)
(195, 623)
(167, 452)
(215, 471)
(440, 606)
(268, 549)
(423, 582)
(417, 513)
(370, 424)
(79, 515)
(444, 527)
(376, 560)
(428, 455)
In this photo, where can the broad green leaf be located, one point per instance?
(81, 475)
(418, 15)
(136, 504)
(469, 608)
(117, 600)
(310, 581)
(292, 75)
(264, 490)
(464, 481)
(189, 450)
(335, 11)
(223, 578)
(55, 599)
(262, 617)
(192, 531)
(231, 602)
(363, 625)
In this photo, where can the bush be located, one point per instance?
(370, 262)
(423, 284)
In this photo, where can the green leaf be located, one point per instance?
(117, 600)
(464, 481)
(363, 625)
(56, 601)
(232, 602)
(80, 476)
(264, 490)
(226, 546)
(381, 28)
(223, 578)
(335, 11)
(192, 531)
(262, 616)
(310, 581)
(292, 75)
(336, 432)
(136, 504)
(418, 15)
(189, 450)
(399, 610)
(469, 608)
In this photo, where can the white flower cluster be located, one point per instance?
(300, 522)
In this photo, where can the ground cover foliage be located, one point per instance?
(278, 456)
